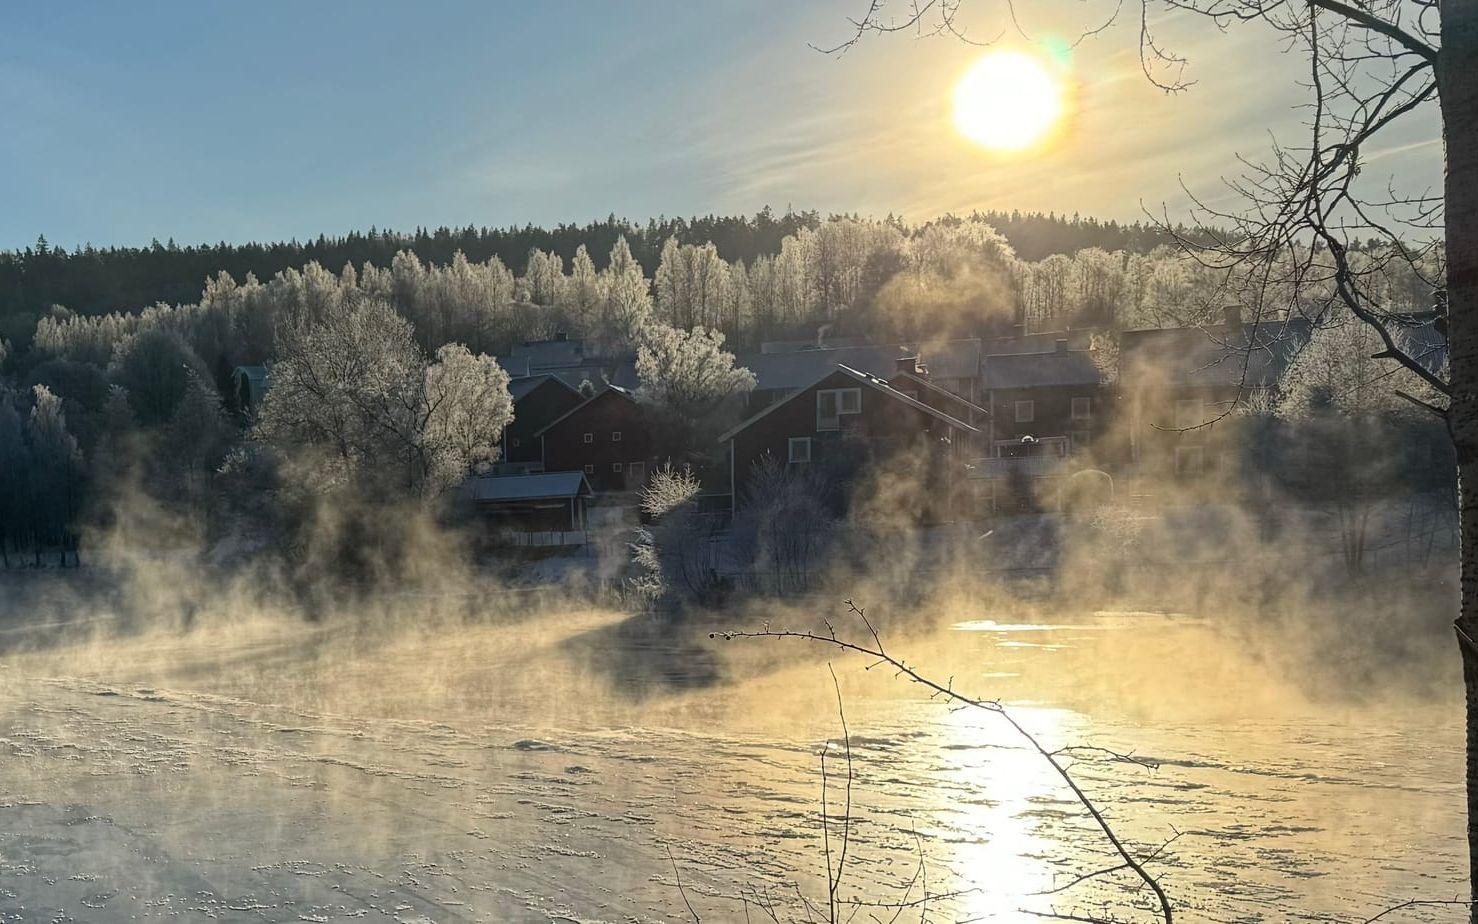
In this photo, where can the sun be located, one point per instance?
(1008, 101)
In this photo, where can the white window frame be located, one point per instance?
(636, 471)
(589, 468)
(1086, 404)
(791, 446)
(615, 436)
(1079, 439)
(590, 437)
(1028, 406)
(846, 401)
(616, 466)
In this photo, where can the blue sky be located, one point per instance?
(205, 121)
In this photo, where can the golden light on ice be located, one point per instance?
(1007, 101)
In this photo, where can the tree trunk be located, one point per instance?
(1457, 76)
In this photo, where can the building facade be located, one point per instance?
(609, 438)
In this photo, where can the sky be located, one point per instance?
(201, 122)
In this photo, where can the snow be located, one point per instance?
(529, 771)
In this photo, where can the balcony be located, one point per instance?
(1030, 466)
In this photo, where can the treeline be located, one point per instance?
(89, 280)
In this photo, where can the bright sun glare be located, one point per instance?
(1007, 101)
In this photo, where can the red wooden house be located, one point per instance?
(1181, 386)
(608, 437)
(845, 423)
(538, 400)
(1057, 401)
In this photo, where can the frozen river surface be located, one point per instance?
(566, 768)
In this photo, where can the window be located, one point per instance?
(615, 466)
(1082, 408)
(636, 473)
(832, 403)
(800, 449)
(589, 469)
(615, 436)
(1189, 413)
(1079, 439)
(590, 437)
(1189, 460)
(1026, 411)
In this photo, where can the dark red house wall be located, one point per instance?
(537, 409)
(1157, 434)
(565, 449)
(886, 423)
(1053, 412)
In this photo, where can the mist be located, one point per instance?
(614, 590)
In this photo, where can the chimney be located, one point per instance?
(908, 363)
(1061, 344)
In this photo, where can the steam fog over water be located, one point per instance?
(496, 757)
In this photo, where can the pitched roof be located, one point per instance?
(942, 392)
(544, 486)
(548, 354)
(1043, 342)
(950, 359)
(864, 378)
(1041, 370)
(819, 342)
(524, 386)
(1220, 355)
(609, 389)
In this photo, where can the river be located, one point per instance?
(571, 766)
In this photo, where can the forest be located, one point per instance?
(90, 280)
(385, 376)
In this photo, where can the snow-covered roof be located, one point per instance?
(949, 359)
(1042, 370)
(522, 387)
(864, 378)
(609, 388)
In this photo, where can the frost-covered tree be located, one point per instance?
(692, 285)
(544, 277)
(15, 473)
(794, 290)
(626, 298)
(354, 398)
(582, 295)
(688, 377)
(739, 309)
(465, 407)
(154, 367)
(848, 253)
(56, 468)
(1337, 371)
(676, 557)
(957, 281)
(343, 390)
(195, 442)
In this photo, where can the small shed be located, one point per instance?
(540, 509)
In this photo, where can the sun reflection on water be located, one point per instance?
(1000, 853)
